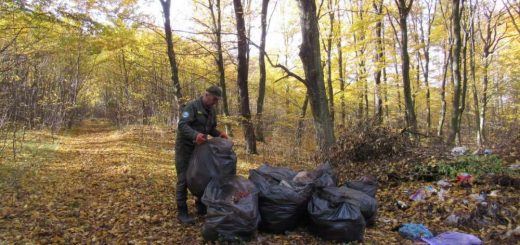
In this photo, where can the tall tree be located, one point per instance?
(328, 50)
(456, 13)
(243, 70)
(261, 64)
(378, 60)
(431, 7)
(216, 17)
(311, 59)
(490, 36)
(176, 85)
(404, 8)
(447, 59)
(359, 38)
(341, 69)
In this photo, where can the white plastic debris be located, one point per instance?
(459, 151)
(515, 167)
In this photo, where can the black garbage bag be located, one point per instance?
(367, 204)
(281, 201)
(232, 203)
(322, 176)
(335, 217)
(214, 158)
(366, 184)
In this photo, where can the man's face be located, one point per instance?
(210, 100)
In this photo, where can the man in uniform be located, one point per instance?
(198, 120)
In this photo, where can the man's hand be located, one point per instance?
(223, 135)
(201, 138)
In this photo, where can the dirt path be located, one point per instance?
(99, 185)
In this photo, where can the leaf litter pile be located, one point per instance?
(98, 184)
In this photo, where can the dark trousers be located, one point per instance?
(182, 160)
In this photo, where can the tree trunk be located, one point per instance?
(442, 116)
(464, 86)
(456, 63)
(339, 48)
(378, 60)
(299, 130)
(484, 99)
(247, 125)
(311, 60)
(426, 42)
(176, 85)
(474, 79)
(261, 82)
(217, 26)
(329, 60)
(404, 9)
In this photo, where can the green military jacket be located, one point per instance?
(196, 118)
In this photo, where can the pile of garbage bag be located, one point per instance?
(282, 199)
(276, 199)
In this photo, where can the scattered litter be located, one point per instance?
(441, 194)
(493, 193)
(414, 231)
(430, 190)
(478, 197)
(459, 151)
(401, 205)
(423, 193)
(444, 184)
(464, 178)
(515, 232)
(453, 238)
(515, 167)
(453, 219)
(488, 152)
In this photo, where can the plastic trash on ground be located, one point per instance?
(444, 184)
(419, 195)
(464, 178)
(215, 158)
(233, 215)
(515, 167)
(401, 205)
(453, 238)
(334, 216)
(478, 197)
(459, 151)
(414, 231)
(281, 201)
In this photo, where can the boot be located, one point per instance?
(183, 216)
(201, 208)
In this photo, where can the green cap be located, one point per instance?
(214, 90)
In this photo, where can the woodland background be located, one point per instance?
(90, 85)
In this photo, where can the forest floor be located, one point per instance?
(100, 184)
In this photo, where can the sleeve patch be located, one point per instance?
(185, 114)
